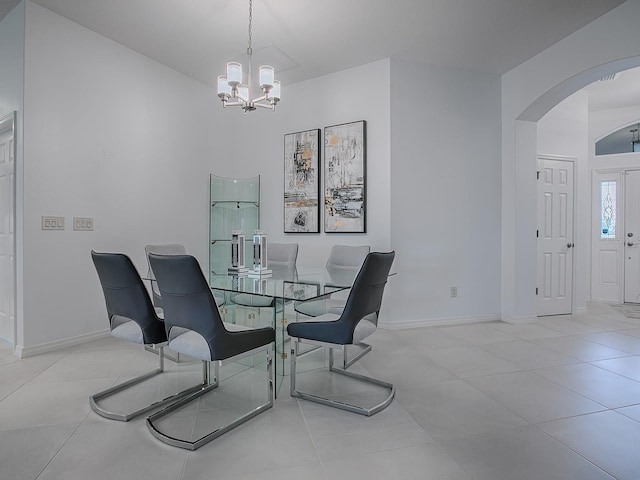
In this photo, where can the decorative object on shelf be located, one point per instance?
(260, 255)
(345, 155)
(302, 182)
(237, 253)
(234, 93)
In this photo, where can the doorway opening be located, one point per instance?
(7, 229)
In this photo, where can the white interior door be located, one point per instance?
(7, 274)
(632, 237)
(607, 239)
(555, 237)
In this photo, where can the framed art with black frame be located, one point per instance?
(345, 156)
(302, 182)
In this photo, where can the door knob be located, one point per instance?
(629, 234)
(569, 245)
(629, 244)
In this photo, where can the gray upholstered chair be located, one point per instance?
(351, 326)
(343, 265)
(131, 318)
(195, 328)
(166, 249)
(281, 259)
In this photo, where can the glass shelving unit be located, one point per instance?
(235, 205)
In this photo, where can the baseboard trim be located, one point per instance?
(518, 320)
(437, 322)
(22, 352)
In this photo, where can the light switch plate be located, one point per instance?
(52, 223)
(84, 224)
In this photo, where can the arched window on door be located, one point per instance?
(625, 140)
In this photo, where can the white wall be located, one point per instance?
(115, 136)
(11, 59)
(255, 146)
(610, 43)
(11, 99)
(564, 131)
(257, 140)
(445, 184)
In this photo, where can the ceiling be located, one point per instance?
(303, 39)
(309, 38)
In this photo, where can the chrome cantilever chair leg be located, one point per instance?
(335, 403)
(346, 362)
(194, 445)
(125, 417)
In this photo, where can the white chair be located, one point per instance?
(281, 259)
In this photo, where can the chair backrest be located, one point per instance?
(366, 293)
(161, 249)
(188, 301)
(126, 296)
(282, 254)
(344, 262)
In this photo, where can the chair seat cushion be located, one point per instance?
(364, 328)
(193, 344)
(127, 330)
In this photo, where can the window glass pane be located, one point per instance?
(608, 212)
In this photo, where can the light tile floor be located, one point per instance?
(556, 399)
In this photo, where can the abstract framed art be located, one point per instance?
(345, 155)
(302, 182)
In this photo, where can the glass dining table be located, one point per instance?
(247, 297)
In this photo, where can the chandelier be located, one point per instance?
(234, 93)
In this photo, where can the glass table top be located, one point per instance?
(286, 284)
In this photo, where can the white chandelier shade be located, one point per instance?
(234, 93)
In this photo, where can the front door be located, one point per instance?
(7, 269)
(632, 237)
(554, 284)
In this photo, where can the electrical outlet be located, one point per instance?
(454, 292)
(52, 223)
(83, 224)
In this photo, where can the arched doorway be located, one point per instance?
(519, 192)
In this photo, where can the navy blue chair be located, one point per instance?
(355, 323)
(132, 318)
(343, 265)
(195, 328)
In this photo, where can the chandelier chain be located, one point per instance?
(249, 49)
